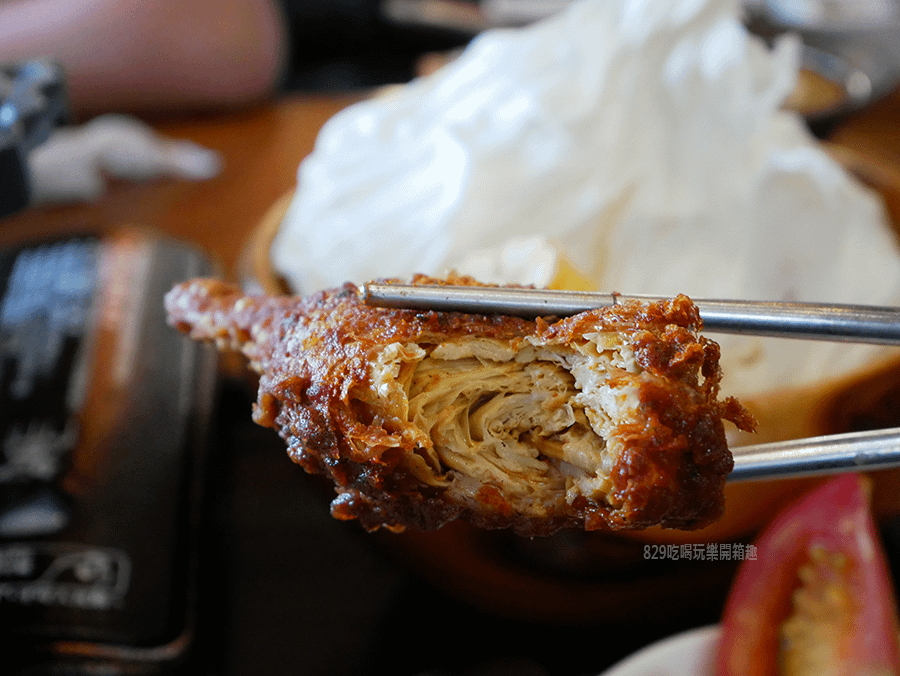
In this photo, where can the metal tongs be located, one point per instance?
(829, 454)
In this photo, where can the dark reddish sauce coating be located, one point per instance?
(313, 355)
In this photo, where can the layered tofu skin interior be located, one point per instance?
(542, 423)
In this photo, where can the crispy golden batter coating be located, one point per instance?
(606, 420)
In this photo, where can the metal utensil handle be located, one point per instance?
(831, 454)
(813, 321)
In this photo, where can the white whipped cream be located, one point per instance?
(643, 140)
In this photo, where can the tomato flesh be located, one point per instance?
(818, 598)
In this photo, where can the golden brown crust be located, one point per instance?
(314, 356)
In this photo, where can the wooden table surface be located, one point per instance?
(262, 148)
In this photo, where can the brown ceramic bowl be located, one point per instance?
(571, 576)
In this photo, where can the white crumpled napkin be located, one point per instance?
(74, 163)
(643, 140)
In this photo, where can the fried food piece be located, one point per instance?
(605, 420)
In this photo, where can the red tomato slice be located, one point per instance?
(818, 598)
